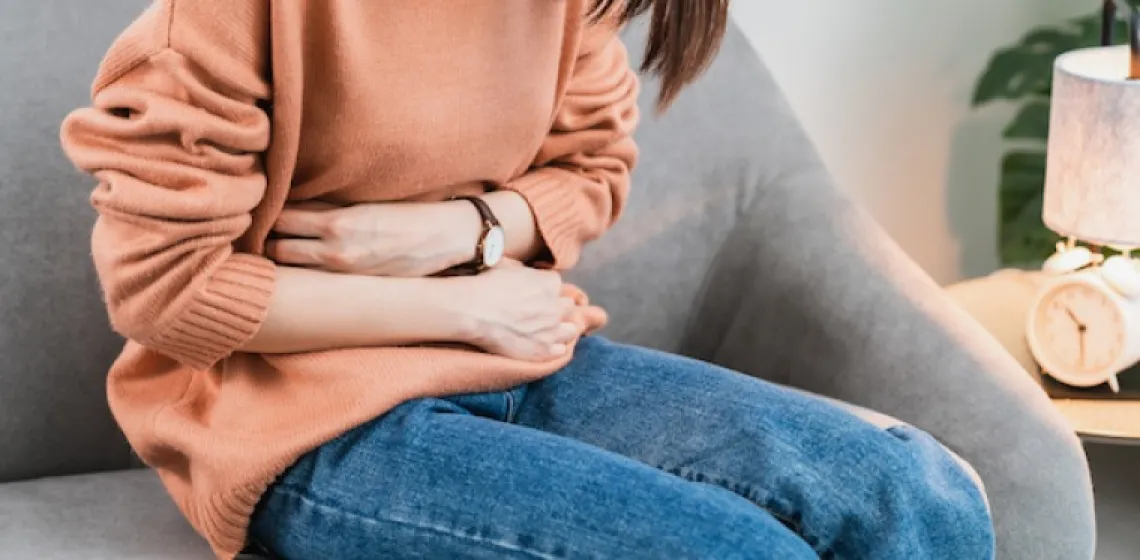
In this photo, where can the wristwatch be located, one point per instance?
(492, 242)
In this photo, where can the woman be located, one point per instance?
(313, 219)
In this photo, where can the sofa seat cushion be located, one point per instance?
(121, 516)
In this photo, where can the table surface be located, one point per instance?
(1103, 421)
(1000, 302)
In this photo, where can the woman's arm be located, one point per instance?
(175, 137)
(313, 310)
(514, 311)
(524, 243)
(400, 239)
(579, 181)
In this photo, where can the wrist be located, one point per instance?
(451, 308)
(524, 242)
(463, 227)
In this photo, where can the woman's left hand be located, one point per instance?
(408, 239)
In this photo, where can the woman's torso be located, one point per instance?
(470, 106)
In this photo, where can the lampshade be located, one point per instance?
(1092, 183)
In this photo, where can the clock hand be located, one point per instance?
(1073, 316)
(1082, 331)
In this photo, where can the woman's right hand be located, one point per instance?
(518, 312)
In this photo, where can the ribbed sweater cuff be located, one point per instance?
(558, 211)
(223, 316)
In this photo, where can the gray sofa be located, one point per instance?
(736, 249)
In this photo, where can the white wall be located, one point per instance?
(883, 88)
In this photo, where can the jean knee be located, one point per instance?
(938, 457)
(948, 494)
(972, 474)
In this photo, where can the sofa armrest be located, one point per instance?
(809, 291)
(1000, 303)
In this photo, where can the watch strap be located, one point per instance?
(489, 219)
(476, 264)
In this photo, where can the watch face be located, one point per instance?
(494, 245)
(1081, 332)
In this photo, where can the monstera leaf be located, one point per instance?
(1023, 73)
(1023, 239)
(1031, 122)
(1026, 68)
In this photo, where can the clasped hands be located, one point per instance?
(512, 310)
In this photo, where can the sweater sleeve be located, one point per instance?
(175, 139)
(579, 181)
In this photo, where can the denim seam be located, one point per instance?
(430, 528)
(759, 498)
(511, 408)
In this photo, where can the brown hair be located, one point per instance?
(684, 38)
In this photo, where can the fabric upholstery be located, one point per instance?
(55, 343)
(700, 165)
(1001, 302)
(124, 515)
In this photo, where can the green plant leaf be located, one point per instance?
(1025, 241)
(1026, 68)
(1012, 74)
(1022, 180)
(1023, 236)
(1090, 28)
(1052, 41)
(1031, 122)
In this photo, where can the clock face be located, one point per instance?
(494, 245)
(1081, 331)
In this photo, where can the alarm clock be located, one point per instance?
(1084, 326)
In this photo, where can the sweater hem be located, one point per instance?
(224, 517)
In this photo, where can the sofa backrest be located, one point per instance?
(698, 165)
(55, 344)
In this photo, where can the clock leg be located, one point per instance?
(1114, 383)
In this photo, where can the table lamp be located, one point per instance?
(1084, 327)
(1092, 179)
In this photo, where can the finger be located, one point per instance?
(558, 350)
(552, 281)
(300, 252)
(523, 348)
(545, 316)
(559, 334)
(594, 318)
(567, 306)
(542, 348)
(302, 223)
(546, 352)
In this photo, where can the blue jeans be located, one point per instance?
(627, 453)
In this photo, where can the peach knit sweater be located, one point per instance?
(208, 115)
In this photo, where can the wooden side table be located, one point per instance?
(1099, 421)
(1001, 302)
